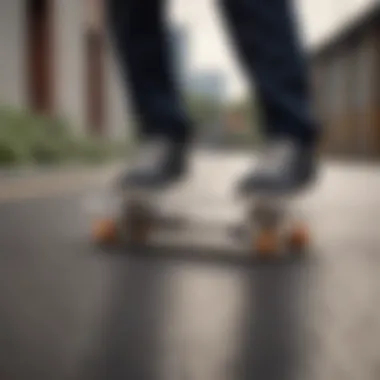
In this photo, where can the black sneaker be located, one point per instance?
(285, 166)
(158, 164)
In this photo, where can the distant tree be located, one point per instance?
(243, 122)
(202, 108)
(238, 123)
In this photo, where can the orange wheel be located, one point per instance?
(105, 231)
(299, 237)
(267, 243)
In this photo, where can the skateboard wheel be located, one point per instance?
(266, 243)
(299, 237)
(105, 231)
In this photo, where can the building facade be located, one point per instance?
(346, 76)
(56, 59)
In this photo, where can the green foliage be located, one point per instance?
(203, 109)
(26, 138)
(240, 121)
(249, 114)
(8, 155)
(94, 151)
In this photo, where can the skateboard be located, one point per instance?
(267, 224)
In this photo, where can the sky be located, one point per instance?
(209, 48)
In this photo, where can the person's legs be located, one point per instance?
(139, 30)
(141, 41)
(268, 44)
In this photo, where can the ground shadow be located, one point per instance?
(273, 325)
(275, 332)
(128, 346)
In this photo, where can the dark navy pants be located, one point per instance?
(266, 38)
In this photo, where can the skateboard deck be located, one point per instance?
(259, 225)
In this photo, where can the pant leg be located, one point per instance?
(139, 31)
(266, 38)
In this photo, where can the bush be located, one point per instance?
(95, 151)
(30, 138)
(8, 155)
(26, 138)
(45, 152)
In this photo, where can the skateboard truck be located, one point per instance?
(272, 223)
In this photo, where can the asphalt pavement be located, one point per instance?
(69, 310)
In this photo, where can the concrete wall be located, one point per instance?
(69, 61)
(13, 83)
(69, 66)
(70, 44)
